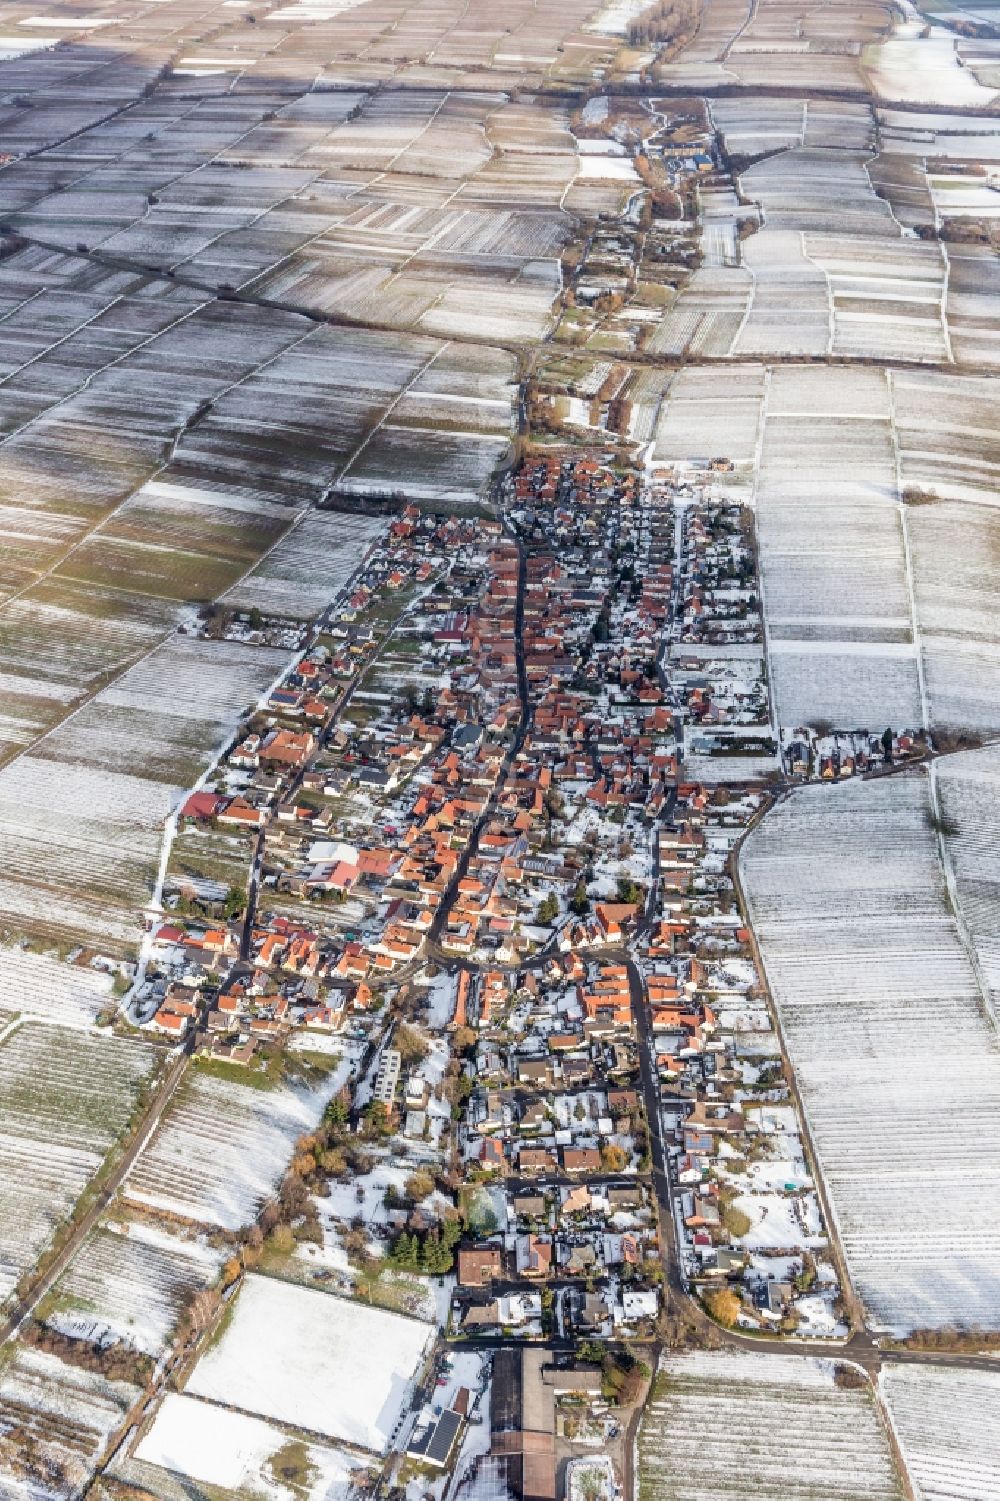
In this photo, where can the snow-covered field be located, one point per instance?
(968, 790)
(213, 1446)
(222, 1148)
(310, 564)
(65, 1095)
(131, 1283)
(876, 509)
(40, 986)
(336, 1368)
(947, 1423)
(81, 818)
(898, 1065)
(66, 1415)
(722, 1427)
(924, 69)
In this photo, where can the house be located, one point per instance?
(581, 1159)
(480, 1316)
(592, 1314)
(529, 1206)
(169, 1023)
(534, 1256)
(776, 1297)
(287, 748)
(579, 1261)
(639, 1304)
(202, 806)
(576, 1200)
(434, 1444)
(533, 1117)
(491, 1155)
(387, 1076)
(242, 813)
(479, 1265)
(536, 1160)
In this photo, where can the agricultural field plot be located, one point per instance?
(280, 1357)
(790, 44)
(836, 599)
(935, 133)
(285, 429)
(129, 1283)
(309, 566)
(708, 315)
(789, 308)
(728, 1425)
(170, 714)
(752, 126)
(783, 43)
(59, 643)
(851, 685)
(445, 435)
(81, 821)
(65, 1096)
(967, 793)
(206, 858)
(947, 1424)
(79, 846)
(847, 569)
(869, 973)
(949, 457)
(133, 412)
(817, 190)
(222, 1149)
(954, 549)
(697, 64)
(839, 446)
(178, 541)
(38, 985)
(397, 209)
(948, 435)
(426, 464)
(645, 394)
(712, 414)
(195, 1441)
(829, 270)
(393, 280)
(958, 193)
(64, 1417)
(95, 76)
(981, 55)
(74, 615)
(924, 69)
(55, 342)
(887, 294)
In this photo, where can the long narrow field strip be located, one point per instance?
(309, 566)
(968, 793)
(130, 1284)
(64, 1098)
(66, 1416)
(721, 1427)
(897, 1060)
(37, 985)
(947, 1422)
(221, 1150)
